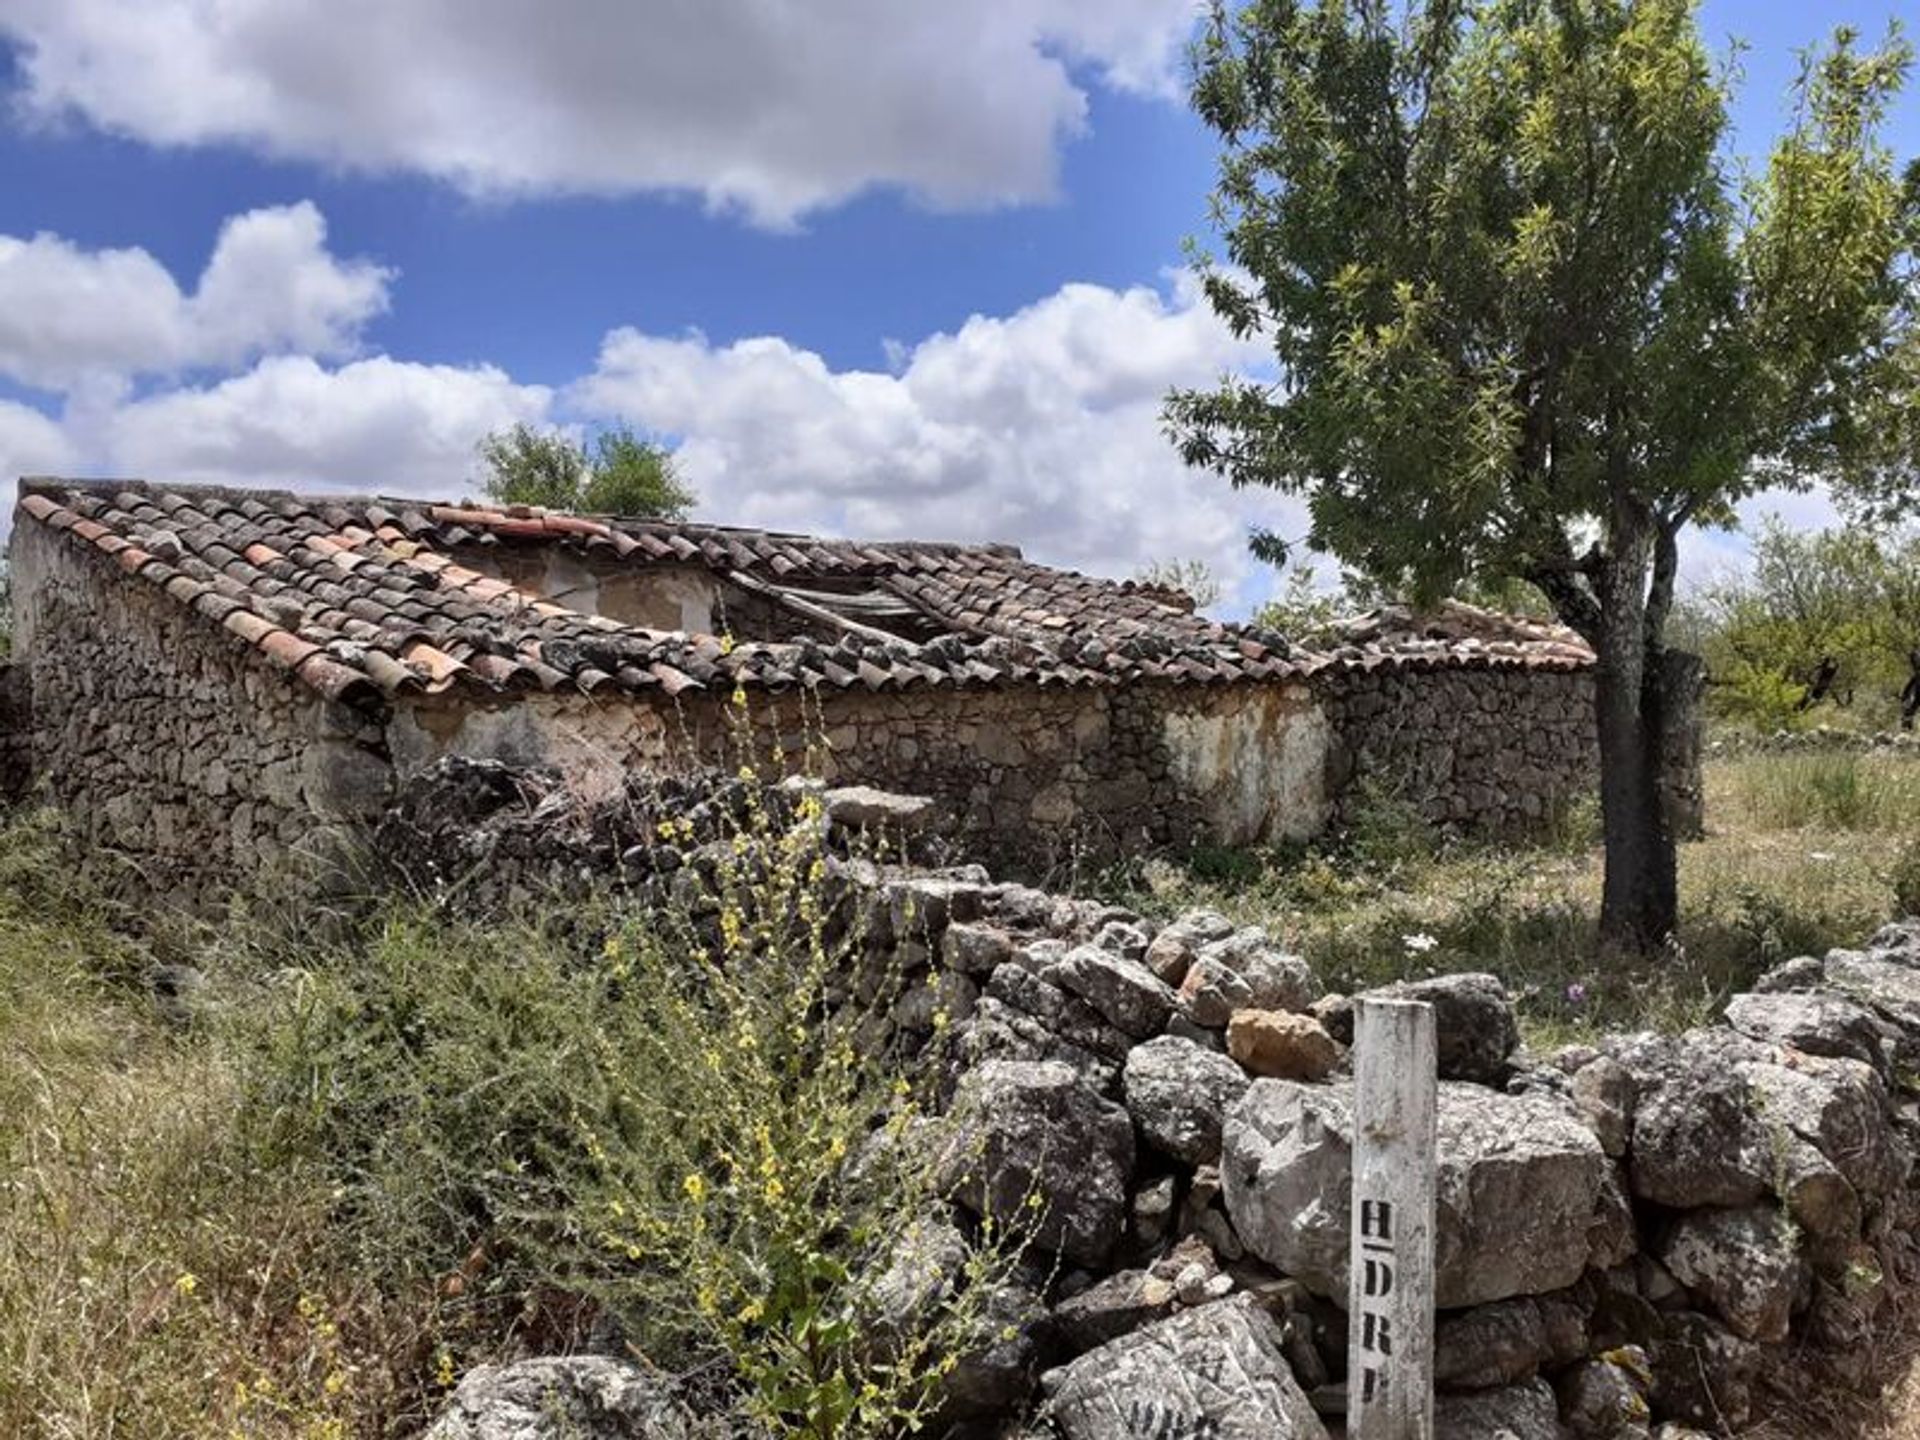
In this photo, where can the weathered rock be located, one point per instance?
(1281, 1044)
(1697, 1138)
(1888, 985)
(1217, 1370)
(1818, 1024)
(998, 1031)
(1025, 1129)
(1801, 973)
(1174, 948)
(1702, 1374)
(1513, 1412)
(1606, 1398)
(1178, 1094)
(1603, 1093)
(1124, 938)
(1115, 1306)
(861, 807)
(1491, 1345)
(1474, 1027)
(995, 1374)
(1520, 1181)
(1153, 1210)
(975, 949)
(919, 1274)
(1244, 972)
(924, 905)
(1745, 1263)
(1064, 1014)
(576, 1397)
(1613, 1237)
(1127, 995)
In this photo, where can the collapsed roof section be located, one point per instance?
(369, 598)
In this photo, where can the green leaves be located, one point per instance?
(1513, 289)
(621, 475)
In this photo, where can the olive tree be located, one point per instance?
(1530, 318)
(620, 475)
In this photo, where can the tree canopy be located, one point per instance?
(620, 475)
(1530, 318)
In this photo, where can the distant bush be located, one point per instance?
(620, 475)
(1849, 595)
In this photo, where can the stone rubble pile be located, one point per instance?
(1633, 1237)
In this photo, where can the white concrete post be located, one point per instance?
(1390, 1291)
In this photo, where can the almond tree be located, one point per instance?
(1531, 319)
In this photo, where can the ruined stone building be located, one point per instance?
(216, 681)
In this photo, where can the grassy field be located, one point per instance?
(179, 1257)
(1804, 852)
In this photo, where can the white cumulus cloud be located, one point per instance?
(1042, 428)
(373, 425)
(771, 107)
(68, 315)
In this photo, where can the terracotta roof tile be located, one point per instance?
(363, 598)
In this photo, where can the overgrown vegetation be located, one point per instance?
(1848, 598)
(620, 475)
(358, 1171)
(1805, 852)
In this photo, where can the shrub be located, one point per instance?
(664, 1123)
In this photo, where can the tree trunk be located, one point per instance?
(1640, 901)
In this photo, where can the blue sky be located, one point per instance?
(876, 267)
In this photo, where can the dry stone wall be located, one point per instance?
(1649, 1235)
(182, 763)
(1034, 776)
(1487, 750)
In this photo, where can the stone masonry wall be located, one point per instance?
(1491, 751)
(16, 721)
(174, 752)
(1031, 775)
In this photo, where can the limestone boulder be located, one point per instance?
(1177, 944)
(1282, 1044)
(1244, 971)
(1605, 1398)
(1703, 1374)
(1125, 993)
(975, 949)
(574, 1397)
(919, 1273)
(1216, 1371)
(862, 807)
(1819, 1024)
(1110, 1308)
(1697, 1138)
(1745, 1263)
(1506, 1342)
(1474, 1027)
(1520, 1185)
(995, 1374)
(1034, 1138)
(1178, 1093)
(1602, 1091)
(1527, 1411)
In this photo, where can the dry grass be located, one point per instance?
(157, 1279)
(1780, 874)
(153, 1281)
